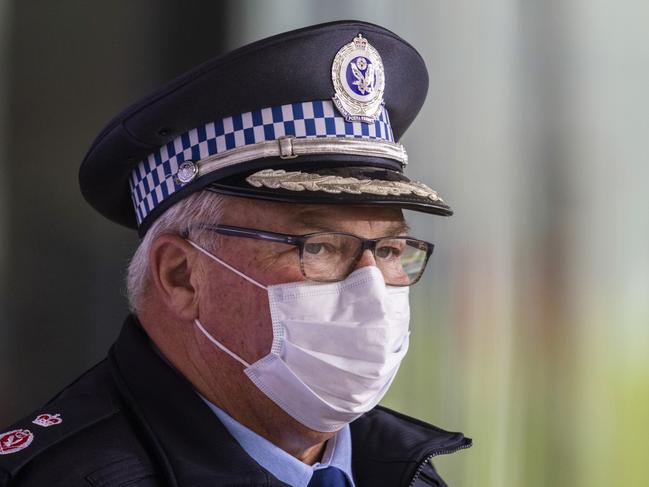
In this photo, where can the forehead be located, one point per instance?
(289, 217)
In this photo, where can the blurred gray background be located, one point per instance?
(531, 328)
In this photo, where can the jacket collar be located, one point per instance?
(186, 437)
(389, 448)
(190, 443)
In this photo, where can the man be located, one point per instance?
(270, 289)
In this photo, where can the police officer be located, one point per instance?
(269, 293)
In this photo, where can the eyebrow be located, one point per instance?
(313, 220)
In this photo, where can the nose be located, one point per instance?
(366, 259)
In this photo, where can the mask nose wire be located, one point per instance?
(226, 265)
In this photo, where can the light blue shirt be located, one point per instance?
(287, 468)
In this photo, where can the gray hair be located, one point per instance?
(199, 207)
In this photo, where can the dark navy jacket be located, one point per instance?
(133, 421)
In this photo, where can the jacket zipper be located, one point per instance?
(434, 454)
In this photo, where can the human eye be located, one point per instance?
(314, 248)
(387, 252)
(320, 249)
(390, 249)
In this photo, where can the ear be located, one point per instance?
(171, 262)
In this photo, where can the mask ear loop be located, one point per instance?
(219, 345)
(198, 323)
(226, 265)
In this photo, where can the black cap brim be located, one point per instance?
(348, 185)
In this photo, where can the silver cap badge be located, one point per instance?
(359, 81)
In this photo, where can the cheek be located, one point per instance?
(279, 268)
(239, 315)
(237, 310)
(282, 274)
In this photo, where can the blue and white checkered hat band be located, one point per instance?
(153, 179)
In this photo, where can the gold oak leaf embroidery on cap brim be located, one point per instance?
(301, 181)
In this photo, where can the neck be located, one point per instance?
(313, 454)
(262, 416)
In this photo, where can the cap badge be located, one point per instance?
(47, 420)
(359, 81)
(16, 440)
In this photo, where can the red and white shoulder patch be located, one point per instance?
(47, 420)
(15, 440)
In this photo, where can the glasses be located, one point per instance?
(332, 256)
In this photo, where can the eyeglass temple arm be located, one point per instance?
(249, 233)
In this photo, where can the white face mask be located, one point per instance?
(336, 346)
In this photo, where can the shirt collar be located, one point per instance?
(281, 464)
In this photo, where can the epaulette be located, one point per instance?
(66, 415)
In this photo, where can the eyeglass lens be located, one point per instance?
(332, 256)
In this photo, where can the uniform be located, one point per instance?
(132, 420)
(312, 116)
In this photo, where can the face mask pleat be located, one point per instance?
(364, 372)
(277, 381)
(369, 343)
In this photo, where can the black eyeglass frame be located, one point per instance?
(300, 241)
